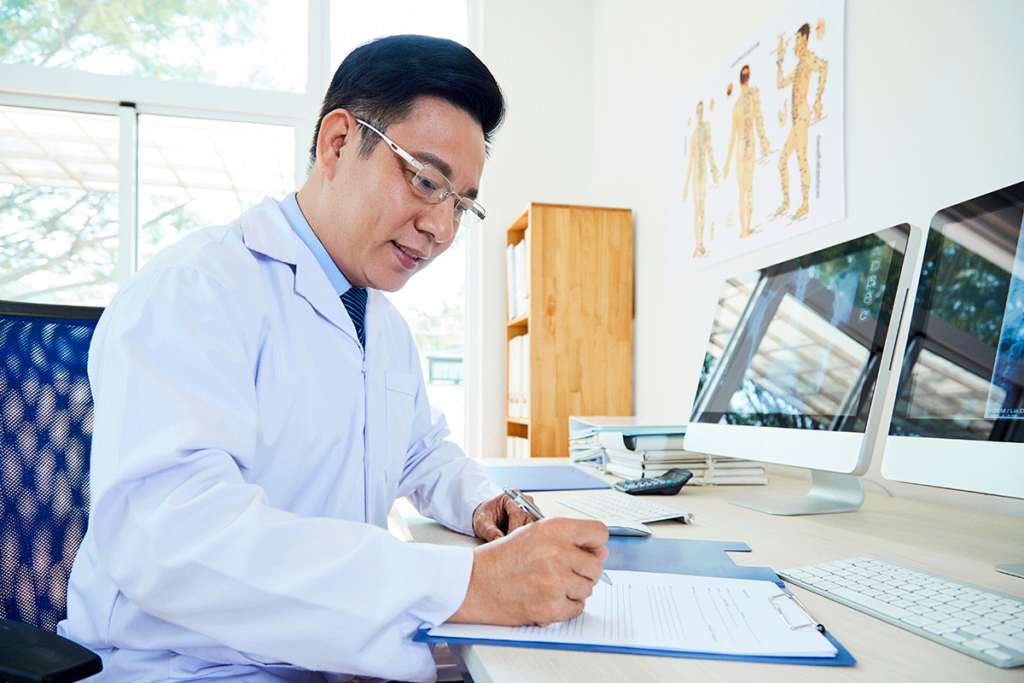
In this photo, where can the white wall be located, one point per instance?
(541, 52)
(934, 115)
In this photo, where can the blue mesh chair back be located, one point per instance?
(45, 437)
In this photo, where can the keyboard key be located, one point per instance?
(871, 603)
(1008, 642)
(956, 623)
(998, 655)
(981, 644)
(974, 630)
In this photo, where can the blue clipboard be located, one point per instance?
(544, 477)
(673, 556)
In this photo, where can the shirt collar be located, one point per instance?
(300, 226)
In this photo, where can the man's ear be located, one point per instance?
(337, 131)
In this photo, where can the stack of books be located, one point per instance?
(585, 450)
(651, 455)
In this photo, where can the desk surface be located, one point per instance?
(962, 545)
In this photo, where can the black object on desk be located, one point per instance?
(668, 484)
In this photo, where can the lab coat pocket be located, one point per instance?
(401, 408)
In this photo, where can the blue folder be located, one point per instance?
(544, 477)
(673, 556)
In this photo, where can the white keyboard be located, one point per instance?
(608, 505)
(977, 621)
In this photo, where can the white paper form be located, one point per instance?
(653, 611)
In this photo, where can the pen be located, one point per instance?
(524, 504)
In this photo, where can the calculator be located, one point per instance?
(667, 484)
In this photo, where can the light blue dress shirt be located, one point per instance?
(293, 214)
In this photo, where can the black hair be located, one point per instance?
(381, 81)
(744, 77)
(805, 31)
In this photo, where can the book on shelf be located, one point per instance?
(518, 447)
(510, 280)
(517, 276)
(519, 376)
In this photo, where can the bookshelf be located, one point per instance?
(570, 322)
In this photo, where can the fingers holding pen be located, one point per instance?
(541, 574)
(499, 517)
(517, 516)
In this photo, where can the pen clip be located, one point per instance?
(794, 601)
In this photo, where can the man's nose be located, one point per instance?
(439, 220)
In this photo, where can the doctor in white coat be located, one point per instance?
(249, 440)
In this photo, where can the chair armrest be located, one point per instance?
(34, 655)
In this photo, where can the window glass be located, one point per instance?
(58, 206)
(433, 302)
(198, 172)
(187, 40)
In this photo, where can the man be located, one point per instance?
(800, 79)
(253, 428)
(746, 114)
(700, 148)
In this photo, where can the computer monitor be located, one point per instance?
(795, 353)
(958, 415)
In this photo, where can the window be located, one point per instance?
(181, 40)
(196, 172)
(58, 205)
(125, 125)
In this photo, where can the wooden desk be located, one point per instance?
(962, 545)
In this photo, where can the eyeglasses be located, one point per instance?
(434, 186)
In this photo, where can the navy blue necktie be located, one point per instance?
(355, 302)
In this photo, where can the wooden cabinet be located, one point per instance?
(578, 321)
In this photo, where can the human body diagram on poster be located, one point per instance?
(781, 173)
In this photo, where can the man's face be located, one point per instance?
(381, 231)
(800, 44)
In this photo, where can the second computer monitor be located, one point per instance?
(958, 415)
(795, 353)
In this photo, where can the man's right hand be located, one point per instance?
(540, 574)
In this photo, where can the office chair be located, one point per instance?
(45, 437)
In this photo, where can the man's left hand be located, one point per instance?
(498, 517)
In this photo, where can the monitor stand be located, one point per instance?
(830, 492)
(1013, 569)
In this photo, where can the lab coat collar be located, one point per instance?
(265, 230)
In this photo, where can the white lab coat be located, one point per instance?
(245, 457)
